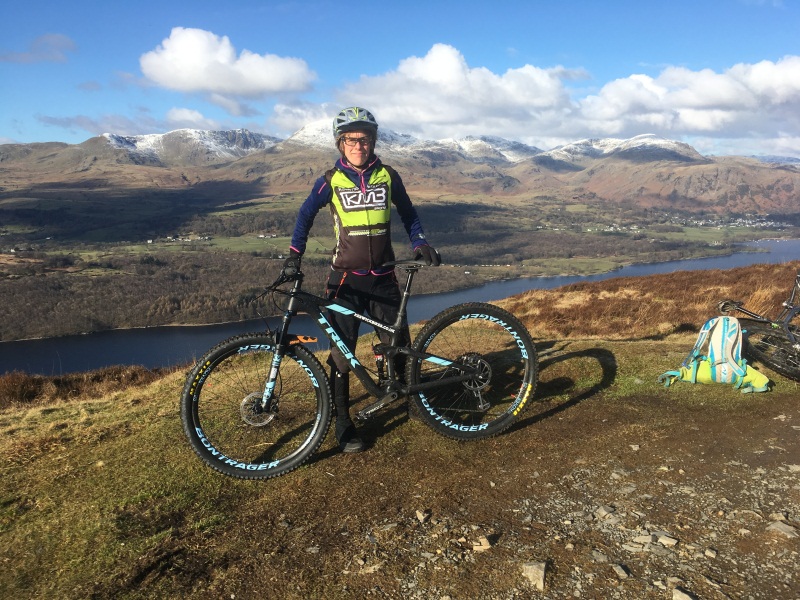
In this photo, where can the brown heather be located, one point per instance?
(638, 308)
(18, 388)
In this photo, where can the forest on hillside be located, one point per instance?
(56, 294)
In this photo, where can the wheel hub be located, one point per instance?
(253, 413)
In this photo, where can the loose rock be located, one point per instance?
(535, 573)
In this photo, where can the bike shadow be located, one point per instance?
(557, 389)
(597, 366)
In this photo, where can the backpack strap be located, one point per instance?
(668, 377)
(392, 173)
(723, 347)
(695, 366)
(698, 345)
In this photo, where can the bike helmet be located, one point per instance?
(354, 118)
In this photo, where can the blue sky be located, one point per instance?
(722, 75)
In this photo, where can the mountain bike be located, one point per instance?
(259, 405)
(772, 341)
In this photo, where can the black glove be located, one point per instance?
(428, 254)
(291, 266)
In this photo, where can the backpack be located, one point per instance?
(717, 358)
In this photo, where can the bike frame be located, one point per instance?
(788, 312)
(393, 388)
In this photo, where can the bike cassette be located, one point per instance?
(484, 371)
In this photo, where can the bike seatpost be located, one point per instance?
(401, 313)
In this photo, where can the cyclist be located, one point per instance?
(359, 191)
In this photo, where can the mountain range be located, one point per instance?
(646, 170)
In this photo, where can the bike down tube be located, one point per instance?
(335, 340)
(390, 350)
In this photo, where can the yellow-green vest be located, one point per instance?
(361, 221)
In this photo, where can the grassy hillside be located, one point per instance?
(101, 496)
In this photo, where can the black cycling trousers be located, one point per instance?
(377, 296)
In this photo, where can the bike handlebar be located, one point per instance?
(291, 273)
(410, 263)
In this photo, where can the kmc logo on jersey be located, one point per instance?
(375, 198)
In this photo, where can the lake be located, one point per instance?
(174, 346)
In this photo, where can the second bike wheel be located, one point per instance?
(493, 342)
(224, 419)
(771, 347)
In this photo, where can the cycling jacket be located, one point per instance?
(360, 204)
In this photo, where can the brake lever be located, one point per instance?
(285, 277)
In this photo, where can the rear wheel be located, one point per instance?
(770, 346)
(499, 351)
(225, 421)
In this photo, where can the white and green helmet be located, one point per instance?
(354, 118)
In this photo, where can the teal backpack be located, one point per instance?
(717, 358)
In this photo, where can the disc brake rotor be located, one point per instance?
(253, 413)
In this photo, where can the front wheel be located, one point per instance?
(496, 347)
(226, 423)
(771, 347)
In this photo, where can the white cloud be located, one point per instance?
(198, 61)
(186, 118)
(289, 118)
(232, 106)
(439, 95)
(752, 107)
(774, 83)
(744, 101)
(119, 124)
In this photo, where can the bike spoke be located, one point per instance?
(771, 346)
(495, 347)
(225, 420)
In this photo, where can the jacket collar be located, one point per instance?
(354, 175)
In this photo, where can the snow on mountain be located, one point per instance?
(319, 134)
(642, 147)
(209, 147)
(486, 146)
(198, 146)
(650, 143)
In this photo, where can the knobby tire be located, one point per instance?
(499, 346)
(771, 347)
(222, 415)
